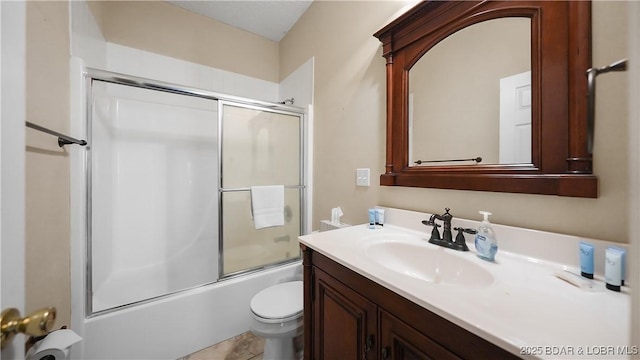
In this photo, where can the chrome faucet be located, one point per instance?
(447, 240)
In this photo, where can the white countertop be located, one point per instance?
(527, 310)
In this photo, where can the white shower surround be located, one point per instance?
(180, 324)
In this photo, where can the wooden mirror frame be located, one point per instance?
(560, 57)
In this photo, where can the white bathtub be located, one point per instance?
(179, 324)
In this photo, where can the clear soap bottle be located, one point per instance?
(486, 243)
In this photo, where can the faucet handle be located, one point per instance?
(461, 242)
(467, 230)
(430, 222)
(435, 234)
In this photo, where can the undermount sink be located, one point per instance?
(434, 265)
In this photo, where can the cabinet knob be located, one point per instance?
(386, 351)
(369, 343)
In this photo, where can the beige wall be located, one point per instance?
(350, 116)
(47, 165)
(166, 29)
(349, 99)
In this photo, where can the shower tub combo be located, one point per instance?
(169, 254)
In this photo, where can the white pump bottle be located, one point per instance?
(486, 243)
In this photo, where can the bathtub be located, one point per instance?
(179, 324)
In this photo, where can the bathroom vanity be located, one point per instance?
(387, 293)
(355, 318)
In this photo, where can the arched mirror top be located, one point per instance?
(421, 46)
(558, 162)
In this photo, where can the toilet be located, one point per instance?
(277, 317)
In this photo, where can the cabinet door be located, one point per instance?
(399, 341)
(344, 322)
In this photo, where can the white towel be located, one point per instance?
(267, 205)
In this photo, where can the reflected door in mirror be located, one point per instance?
(515, 119)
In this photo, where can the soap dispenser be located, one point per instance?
(486, 243)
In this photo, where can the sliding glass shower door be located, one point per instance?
(258, 147)
(168, 177)
(152, 204)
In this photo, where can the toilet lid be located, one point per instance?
(279, 301)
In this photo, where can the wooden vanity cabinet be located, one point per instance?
(400, 341)
(347, 316)
(345, 322)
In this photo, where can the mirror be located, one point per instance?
(559, 53)
(470, 96)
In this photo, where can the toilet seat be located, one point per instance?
(279, 303)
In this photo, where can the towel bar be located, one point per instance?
(249, 189)
(62, 139)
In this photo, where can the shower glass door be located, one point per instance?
(153, 209)
(258, 147)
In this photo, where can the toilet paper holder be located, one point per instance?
(38, 323)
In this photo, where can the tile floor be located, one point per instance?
(245, 346)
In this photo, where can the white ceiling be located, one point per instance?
(271, 19)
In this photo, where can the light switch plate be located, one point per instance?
(362, 177)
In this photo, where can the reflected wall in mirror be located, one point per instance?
(455, 96)
(559, 54)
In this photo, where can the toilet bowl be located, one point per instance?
(277, 317)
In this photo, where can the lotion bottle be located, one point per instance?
(586, 260)
(486, 243)
(613, 269)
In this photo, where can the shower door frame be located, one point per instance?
(301, 186)
(91, 75)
